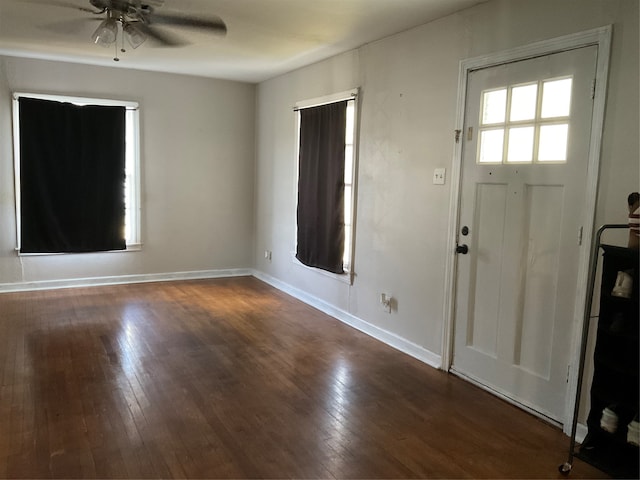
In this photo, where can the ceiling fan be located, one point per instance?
(137, 20)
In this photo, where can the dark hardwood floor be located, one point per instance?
(232, 378)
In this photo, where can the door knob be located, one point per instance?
(463, 249)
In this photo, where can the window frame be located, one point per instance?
(132, 164)
(349, 95)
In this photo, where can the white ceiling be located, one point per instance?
(265, 37)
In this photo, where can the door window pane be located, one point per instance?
(556, 98)
(520, 144)
(523, 103)
(491, 145)
(525, 123)
(494, 106)
(553, 143)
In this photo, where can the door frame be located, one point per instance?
(601, 37)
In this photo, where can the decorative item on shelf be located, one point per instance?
(633, 432)
(634, 220)
(624, 285)
(609, 420)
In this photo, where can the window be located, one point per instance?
(326, 182)
(524, 124)
(76, 174)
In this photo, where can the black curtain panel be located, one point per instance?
(321, 186)
(72, 164)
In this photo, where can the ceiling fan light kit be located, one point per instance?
(106, 33)
(134, 35)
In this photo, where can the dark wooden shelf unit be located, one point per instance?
(615, 378)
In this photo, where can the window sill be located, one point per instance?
(134, 247)
(346, 277)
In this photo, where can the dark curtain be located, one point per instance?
(321, 186)
(72, 164)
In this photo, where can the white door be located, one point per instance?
(525, 155)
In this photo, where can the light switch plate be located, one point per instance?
(439, 176)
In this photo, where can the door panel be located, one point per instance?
(489, 223)
(522, 196)
(537, 313)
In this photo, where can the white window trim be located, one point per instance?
(353, 94)
(133, 108)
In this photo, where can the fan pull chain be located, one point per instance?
(115, 44)
(122, 38)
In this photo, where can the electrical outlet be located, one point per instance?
(386, 301)
(267, 255)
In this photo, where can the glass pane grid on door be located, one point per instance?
(525, 123)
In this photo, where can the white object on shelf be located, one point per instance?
(609, 420)
(633, 433)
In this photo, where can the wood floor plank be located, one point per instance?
(230, 378)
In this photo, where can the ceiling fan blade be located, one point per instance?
(71, 26)
(166, 39)
(57, 3)
(211, 23)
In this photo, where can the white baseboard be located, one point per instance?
(389, 338)
(122, 279)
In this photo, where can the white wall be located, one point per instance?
(409, 88)
(197, 162)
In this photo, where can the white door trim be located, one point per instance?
(602, 38)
